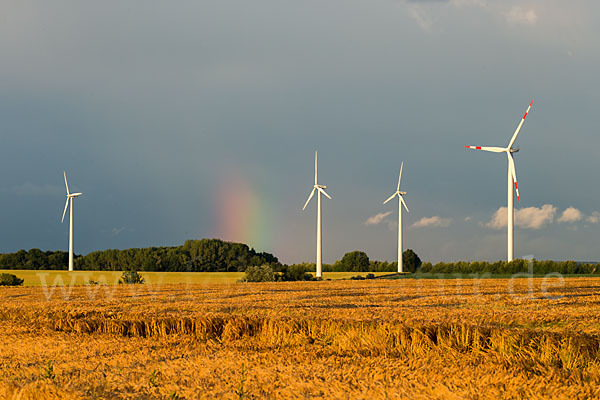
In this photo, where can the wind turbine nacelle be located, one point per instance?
(75, 195)
(514, 150)
(320, 186)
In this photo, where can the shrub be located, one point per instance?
(264, 273)
(295, 273)
(130, 278)
(10, 280)
(48, 371)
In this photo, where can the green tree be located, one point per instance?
(410, 261)
(355, 261)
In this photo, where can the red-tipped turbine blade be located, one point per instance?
(491, 149)
(513, 172)
(512, 140)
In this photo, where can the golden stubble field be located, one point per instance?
(375, 339)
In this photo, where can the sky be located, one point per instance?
(199, 119)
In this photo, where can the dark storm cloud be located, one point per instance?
(152, 106)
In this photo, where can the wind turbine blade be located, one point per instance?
(315, 167)
(309, 197)
(65, 212)
(513, 172)
(492, 149)
(391, 197)
(325, 193)
(400, 176)
(66, 184)
(404, 203)
(512, 141)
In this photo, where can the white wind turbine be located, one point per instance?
(400, 204)
(320, 189)
(512, 178)
(70, 197)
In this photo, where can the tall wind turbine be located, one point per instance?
(512, 178)
(401, 203)
(70, 197)
(320, 189)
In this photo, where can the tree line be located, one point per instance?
(215, 255)
(206, 255)
(358, 261)
(539, 267)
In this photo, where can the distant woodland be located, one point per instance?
(206, 255)
(214, 255)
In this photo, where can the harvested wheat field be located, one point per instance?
(374, 339)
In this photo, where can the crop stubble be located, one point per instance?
(414, 339)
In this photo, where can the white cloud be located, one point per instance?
(467, 219)
(594, 218)
(432, 221)
(421, 17)
(376, 219)
(528, 218)
(117, 231)
(519, 15)
(498, 219)
(426, 13)
(571, 214)
(535, 218)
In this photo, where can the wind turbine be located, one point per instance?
(70, 197)
(401, 203)
(320, 189)
(512, 178)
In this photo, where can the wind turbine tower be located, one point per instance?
(70, 198)
(512, 179)
(320, 189)
(401, 203)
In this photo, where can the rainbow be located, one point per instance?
(241, 212)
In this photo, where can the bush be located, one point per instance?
(295, 273)
(281, 273)
(130, 278)
(362, 278)
(10, 280)
(264, 273)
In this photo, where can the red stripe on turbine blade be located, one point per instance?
(525, 116)
(478, 147)
(467, 147)
(516, 187)
(530, 104)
